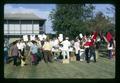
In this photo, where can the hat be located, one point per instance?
(66, 38)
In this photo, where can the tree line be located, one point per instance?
(73, 19)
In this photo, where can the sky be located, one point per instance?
(43, 11)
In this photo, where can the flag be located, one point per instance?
(89, 43)
(94, 36)
(81, 36)
(108, 36)
(25, 37)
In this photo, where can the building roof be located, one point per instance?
(22, 16)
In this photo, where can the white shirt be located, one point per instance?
(25, 38)
(30, 44)
(66, 45)
(77, 47)
(21, 45)
(108, 46)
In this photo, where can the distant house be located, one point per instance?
(18, 24)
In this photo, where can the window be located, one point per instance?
(23, 28)
(29, 28)
(36, 28)
(5, 28)
(14, 27)
(17, 28)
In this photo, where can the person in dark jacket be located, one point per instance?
(14, 53)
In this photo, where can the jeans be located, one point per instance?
(92, 53)
(110, 54)
(87, 55)
(15, 60)
(5, 56)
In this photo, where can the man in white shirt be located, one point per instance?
(65, 49)
(77, 49)
(21, 46)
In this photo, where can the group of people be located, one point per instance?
(51, 49)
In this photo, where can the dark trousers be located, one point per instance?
(34, 59)
(21, 52)
(22, 57)
(47, 56)
(15, 60)
(5, 56)
(87, 55)
(110, 54)
(78, 56)
(92, 53)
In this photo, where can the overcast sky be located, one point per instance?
(43, 11)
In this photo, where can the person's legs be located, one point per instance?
(94, 55)
(64, 54)
(45, 56)
(67, 54)
(87, 55)
(109, 54)
(5, 56)
(14, 60)
(78, 55)
(49, 56)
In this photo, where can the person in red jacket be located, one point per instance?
(87, 50)
(90, 47)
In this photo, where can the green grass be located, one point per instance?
(103, 68)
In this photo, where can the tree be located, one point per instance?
(101, 23)
(70, 19)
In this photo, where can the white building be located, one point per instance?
(18, 24)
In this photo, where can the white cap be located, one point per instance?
(66, 38)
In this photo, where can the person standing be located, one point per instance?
(65, 49)
(14, 52)
(21, 46)
(110, 48)
(109, 40)
(87, 49)
(92, 50)
(34, 51)
(47, 47)
(77, 49)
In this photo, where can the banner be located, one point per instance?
(60, 37)
(94, 37)
(40, 37)
(108, 36)
(25, 37)
(81, 36)
(32, 37)
(44, 36)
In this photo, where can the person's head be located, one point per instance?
(15, 42)
(67, 38)
(76, 40)
(34, 42)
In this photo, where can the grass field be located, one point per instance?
(103, 68)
